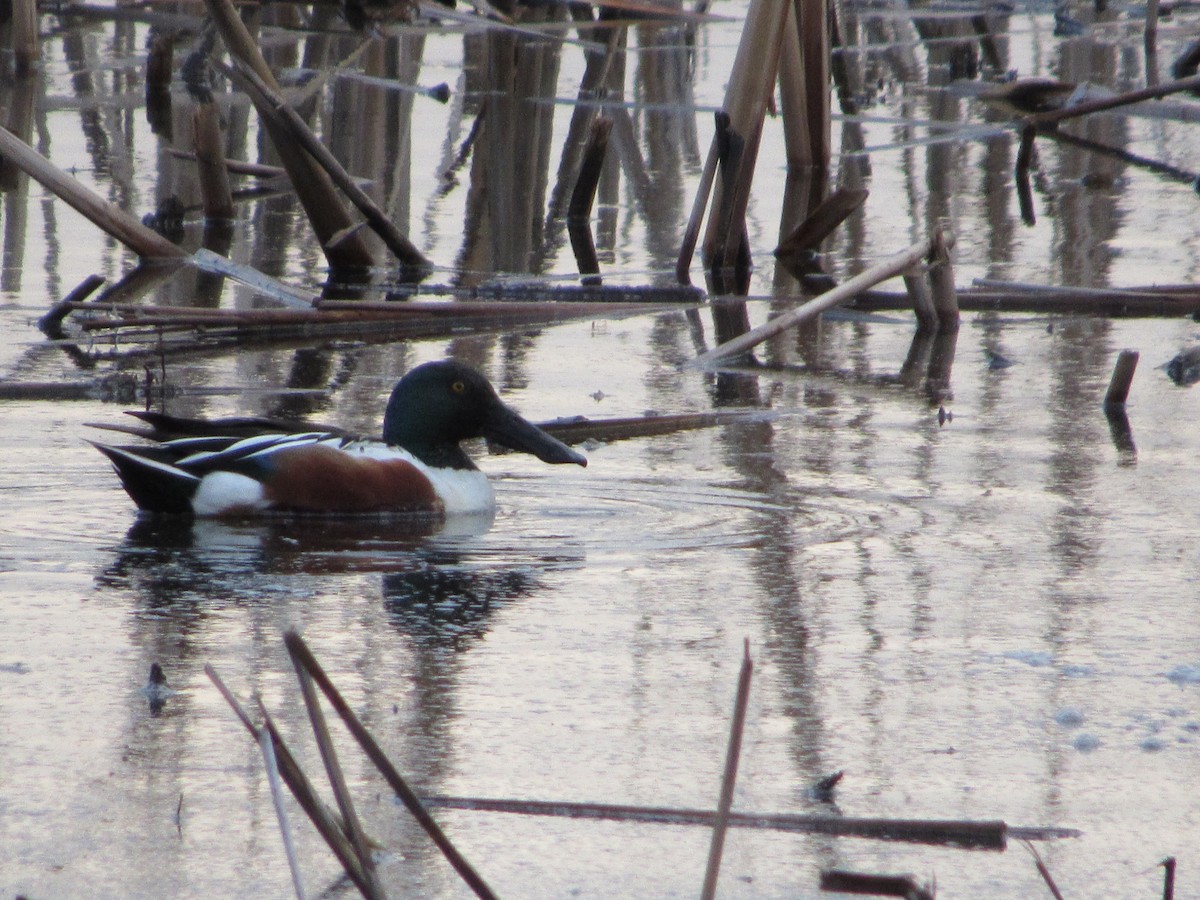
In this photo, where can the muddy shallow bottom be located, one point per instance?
(992, 618)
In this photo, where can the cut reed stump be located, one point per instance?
(1122, 378)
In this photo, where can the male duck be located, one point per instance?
(418, 467)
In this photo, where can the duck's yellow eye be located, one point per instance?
(458, 387)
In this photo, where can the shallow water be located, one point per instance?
(991, 617)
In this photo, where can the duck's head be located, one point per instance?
(439, 404)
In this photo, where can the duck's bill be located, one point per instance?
(507, 428)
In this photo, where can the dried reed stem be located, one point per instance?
(882, 271)
(980, 835)
(941, 281)
(210, 162)
(27, 48)
(266, 98)
(323, 818)
(267, 748)
(302, 657)
(330, 220)
(341, 791)
(732, 755)
(107, 216)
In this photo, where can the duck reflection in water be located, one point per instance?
(442, 578)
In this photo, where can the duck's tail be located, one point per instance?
(154, 484)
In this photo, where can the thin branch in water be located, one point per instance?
(732, 756)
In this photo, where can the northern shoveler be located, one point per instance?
(418, 466)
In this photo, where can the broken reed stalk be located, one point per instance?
(235, 166)
(110, 218)
(27, 49)
(1168, 865)
(323, 818)
(732, 755)
(1040, 120)
(303, 657)
(812, 19)
(793, 97)
(579, 211)
(889, 268)
(344, 247)
(268, 99)
(691, 234)
(1122, 378)
(210, 161)
(51, 322)
(1150, 43)
(333, 769)
(750, 85)
(267, 748)
(1043, 871)
(820, 223)
(976, 835)
(941, 281)
(916, 282)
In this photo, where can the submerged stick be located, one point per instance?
(732, 756)
(1122, 378)
(106, 216)
(985, 835)
(889, 268)
(302, 656)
